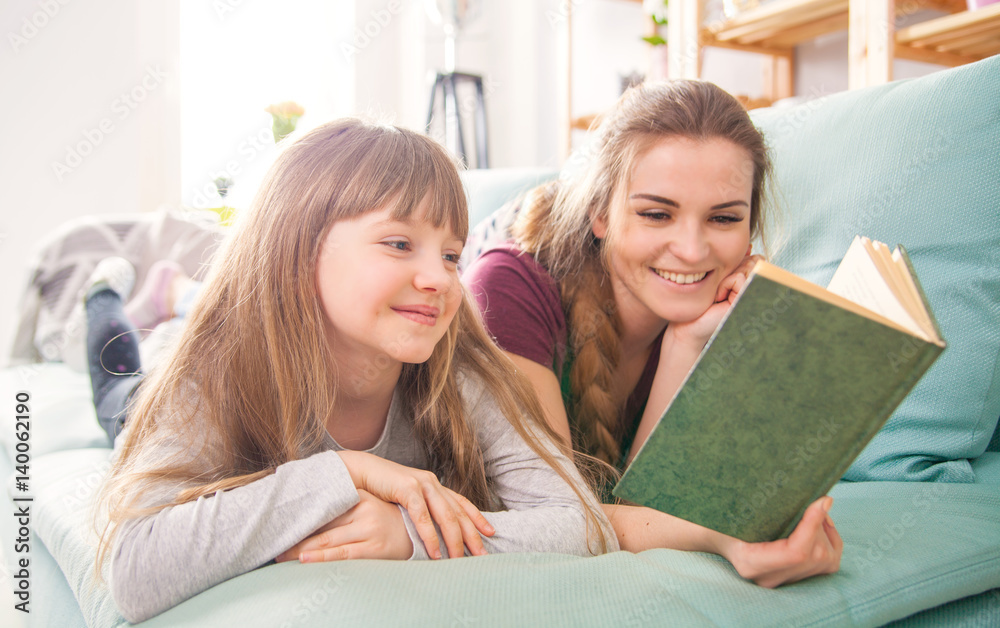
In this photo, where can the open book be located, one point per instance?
(794, 383)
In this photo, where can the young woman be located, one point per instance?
(616, 279)
(330, 374)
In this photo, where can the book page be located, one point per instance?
(894, 270)
(858, 279)
(922, 315)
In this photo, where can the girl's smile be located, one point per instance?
(423, 314)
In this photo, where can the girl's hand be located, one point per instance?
(697, 332)
(426, 501)
(371, 529)
(813, 548)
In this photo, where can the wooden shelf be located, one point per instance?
(777, 27)
(953, 39)
(783, 24)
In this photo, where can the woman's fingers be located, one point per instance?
(835, 541)
(813, 548)
(812, 538)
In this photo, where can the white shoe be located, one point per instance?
(116, 273)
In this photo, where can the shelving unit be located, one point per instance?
(953, 39)
(775, 28)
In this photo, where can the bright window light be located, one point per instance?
(238, 57)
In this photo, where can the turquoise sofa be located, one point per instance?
(915, 162)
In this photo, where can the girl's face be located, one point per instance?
(389, 288)
(684, 226)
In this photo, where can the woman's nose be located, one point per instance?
(689, 244)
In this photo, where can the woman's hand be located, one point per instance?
(698, 331)
(373, 528)
(813, 548)
(426, 501)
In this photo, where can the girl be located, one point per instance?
(615, 281)
(330, 373)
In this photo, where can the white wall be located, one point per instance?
(92, 87)
(66, 76)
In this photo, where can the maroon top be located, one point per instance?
(522, 310)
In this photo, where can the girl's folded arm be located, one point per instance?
(543, 513)
(162, 559)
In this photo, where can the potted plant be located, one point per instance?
(659, 62)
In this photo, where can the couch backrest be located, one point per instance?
(912, 162)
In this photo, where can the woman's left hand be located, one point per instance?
(371, 529)
(698, 331)
(813, 548)
(731, 286)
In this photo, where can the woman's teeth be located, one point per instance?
(681, 279)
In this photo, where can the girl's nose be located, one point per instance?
(433, 275)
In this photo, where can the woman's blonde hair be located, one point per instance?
(555, 226)
(252, 366)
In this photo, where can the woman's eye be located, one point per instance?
(655, 214)
(726, 220)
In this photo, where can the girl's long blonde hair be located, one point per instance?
(555, 226)
(252, 366)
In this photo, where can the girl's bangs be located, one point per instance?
(429, 170)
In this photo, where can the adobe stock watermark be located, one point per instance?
(916, 165)
(121, 108)
(561, 15)
(33, 24)
(223, 8)
(796, 117)
(370, 30)
(796, 461)
(751, 332)
(881, 542)
(315, 599)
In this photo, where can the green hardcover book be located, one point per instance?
(793, 384)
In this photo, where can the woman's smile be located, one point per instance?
(682, 279)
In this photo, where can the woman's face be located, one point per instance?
(684, 226)
(389, 288)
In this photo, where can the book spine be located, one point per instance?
(924, 360)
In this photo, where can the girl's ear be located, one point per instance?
(749, 250)
(599, 225)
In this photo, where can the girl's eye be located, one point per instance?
(726, 220)
(400, 245)
(451, 257)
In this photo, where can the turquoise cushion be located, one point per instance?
(489, 189)
(908, 546)
(914, 162)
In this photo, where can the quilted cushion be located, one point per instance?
(912, 162)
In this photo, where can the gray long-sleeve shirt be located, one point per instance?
(163, 559)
